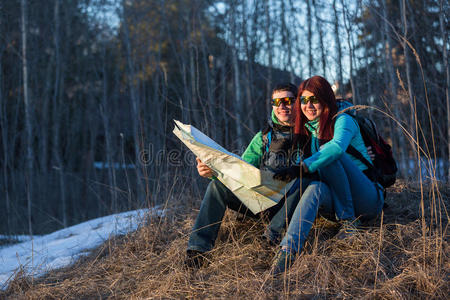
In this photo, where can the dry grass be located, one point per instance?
(392, 261)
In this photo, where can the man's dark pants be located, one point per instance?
(215, 202)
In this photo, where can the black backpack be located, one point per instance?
(384, 168)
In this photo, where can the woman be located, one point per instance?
(353, 194)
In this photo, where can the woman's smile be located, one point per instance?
(310, 110)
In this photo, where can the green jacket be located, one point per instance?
(254, 152)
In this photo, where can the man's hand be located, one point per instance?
(203, 170)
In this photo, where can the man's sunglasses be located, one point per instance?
(284, 100)
(306, 99)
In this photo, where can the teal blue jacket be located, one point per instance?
(346, 132)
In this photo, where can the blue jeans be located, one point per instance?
(214, 204)
(316, 195)
(344, 189)
(354, 195)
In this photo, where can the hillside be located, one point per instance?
(395, 257)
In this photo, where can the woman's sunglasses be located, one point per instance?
(306, 99)
(285, 101)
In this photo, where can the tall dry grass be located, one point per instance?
(384, 261)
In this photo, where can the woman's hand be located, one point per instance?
(370, 152)
(290, 173)
(287, 174)
(203, 170)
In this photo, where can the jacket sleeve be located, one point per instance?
(253, 153)
(345, 128)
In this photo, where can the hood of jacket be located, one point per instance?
(344, 104)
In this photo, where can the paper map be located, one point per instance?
(255, 188)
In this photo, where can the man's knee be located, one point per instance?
(218, 188)
(218, 192)
(321, 193)
(297, 189)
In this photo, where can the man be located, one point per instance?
(270, 149)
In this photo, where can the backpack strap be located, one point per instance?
(371, 172)
(269, 140)
(352, 150)
(267, 136)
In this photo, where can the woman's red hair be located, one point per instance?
(320, 87)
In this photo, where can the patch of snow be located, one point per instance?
(63, 247)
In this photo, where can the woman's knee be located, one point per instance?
(370, 204)
(333, 167)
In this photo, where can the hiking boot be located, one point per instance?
(282, 262)
(348, 229)
(194, 259)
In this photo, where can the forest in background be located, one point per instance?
(89, 89)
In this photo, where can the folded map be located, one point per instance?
(255, 188)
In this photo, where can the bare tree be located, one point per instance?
(237, 103)
(134, 97)
(287, 13)
(192, 69)
(319, 28)
(249, 36)
(406, 53)
(208, 70)
(391, 83)
(309, 25)
(269, 49)
(349, 31)
(28, 120)
(56, 114)
(447, 76)
(4, 134)
(107, 131)
(338, 46)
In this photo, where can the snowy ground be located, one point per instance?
(61, 248)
